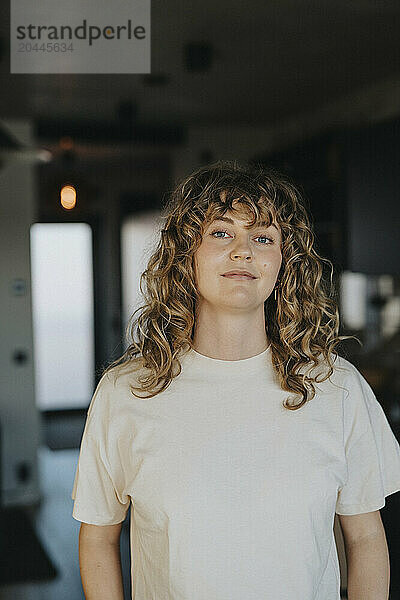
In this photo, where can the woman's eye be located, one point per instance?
(218, 231)
(266, 238)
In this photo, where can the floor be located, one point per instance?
(58, 532)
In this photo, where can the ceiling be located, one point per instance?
(271, 59)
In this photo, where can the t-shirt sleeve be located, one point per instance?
(371, 448)
(98, 489)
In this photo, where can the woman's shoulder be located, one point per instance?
(342, 365)
(348, 377)
(345, 369)
(121, 374)
(342, 370)
(117, 377)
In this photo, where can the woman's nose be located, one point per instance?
(241, 249)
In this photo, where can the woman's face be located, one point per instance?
(228, 246)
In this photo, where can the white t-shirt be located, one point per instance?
(233, 496)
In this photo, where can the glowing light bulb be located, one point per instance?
(68, 197)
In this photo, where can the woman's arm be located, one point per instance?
(368, 569)
(367, 556)
(100, 561)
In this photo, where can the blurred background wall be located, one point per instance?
(309, 87)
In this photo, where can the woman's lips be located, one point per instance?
(238, 277)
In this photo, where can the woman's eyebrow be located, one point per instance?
(231, 221)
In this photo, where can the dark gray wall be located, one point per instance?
(373, 199)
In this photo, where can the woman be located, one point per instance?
(230, 424)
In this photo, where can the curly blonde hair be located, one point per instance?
(302, 324)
